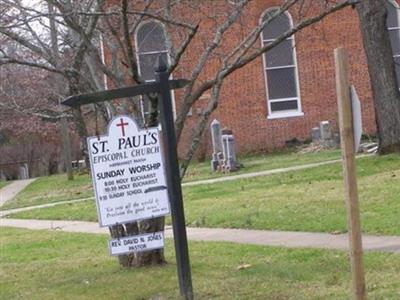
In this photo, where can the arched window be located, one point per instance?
(150, 44)
(393, 25)
(280, 69)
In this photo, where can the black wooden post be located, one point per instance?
(174, 182)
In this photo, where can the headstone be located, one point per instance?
(23, 171)
(326, 130)
(228, 144)
(316, 134)
(216, 143)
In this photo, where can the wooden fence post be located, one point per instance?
(349, 172)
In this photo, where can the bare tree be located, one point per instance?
(39, 39)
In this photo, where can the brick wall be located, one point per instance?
(243, 105)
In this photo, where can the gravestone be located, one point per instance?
(325, 136)
(224, 153)
(216, 144)
(326, 130)
(316, 134)
(228, 145)
(23, 171)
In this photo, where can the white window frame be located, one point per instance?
(138, 53)
(284, 113)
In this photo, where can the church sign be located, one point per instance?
(128, 173)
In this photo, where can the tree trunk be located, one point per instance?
(372, 14)
(73, 89)
(66, 147)
(82, 132)
(154, 257)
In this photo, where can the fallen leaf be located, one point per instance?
(244, 266)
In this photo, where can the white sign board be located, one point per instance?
(128, 173)
(137, 243)
(357, 119)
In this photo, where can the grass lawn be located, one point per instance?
(58, 188)
(306, 200)
(255, 163)
(57, 265)
(52, 189)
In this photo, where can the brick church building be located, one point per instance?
(283, 94)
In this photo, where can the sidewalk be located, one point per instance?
(256, 237)
(287, 239)
(9, 191)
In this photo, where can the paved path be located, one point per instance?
(242, 236)
(9, 191)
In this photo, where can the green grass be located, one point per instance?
(57, 265)
(84, 211)
(255, 163)
(4, 183)
(307, 200)
(58, 188)
(52, 189)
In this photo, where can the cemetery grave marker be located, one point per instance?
(224, 154)
(216, 144)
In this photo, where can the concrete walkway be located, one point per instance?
(242, 236)
(9, 191)
(256, 237)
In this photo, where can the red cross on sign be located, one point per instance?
(122, 125)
